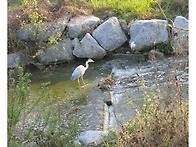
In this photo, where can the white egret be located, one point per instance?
(79, 72)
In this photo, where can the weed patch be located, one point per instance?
(40, 120)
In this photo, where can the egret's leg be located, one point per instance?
(79, 82)
(82, 80)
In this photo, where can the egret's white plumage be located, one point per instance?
(79, 71)
(133, 45)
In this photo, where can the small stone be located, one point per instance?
(92, 137)
(154, 55)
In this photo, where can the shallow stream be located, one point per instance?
(126, 71)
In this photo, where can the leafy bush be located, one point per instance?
(14, 44)
(18, 92)
(164, 47)
(39, 120)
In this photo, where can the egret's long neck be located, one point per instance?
(87, 65)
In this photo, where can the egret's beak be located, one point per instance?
(91, 60)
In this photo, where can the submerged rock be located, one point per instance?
(148, 32)
(110, 34)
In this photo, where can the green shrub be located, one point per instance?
(164, 48)
(47, 127)
(14, 44)
(32, 7)
(18, 92)
(53, 40)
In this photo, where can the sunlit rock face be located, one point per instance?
(147, 33)
(110, 34)
(88, 48)
(80, 24)
(61, 51)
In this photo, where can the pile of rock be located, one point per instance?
(89, 37)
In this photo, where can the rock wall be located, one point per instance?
(89, 37)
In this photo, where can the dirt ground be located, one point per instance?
(19, 15)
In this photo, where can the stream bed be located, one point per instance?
(114, 88)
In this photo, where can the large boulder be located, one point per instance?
(180, 30)
(81, 24)
(92, 137)
(41, 32)
(61, 51)
(147, 33)
(88, 48)
(110, 34)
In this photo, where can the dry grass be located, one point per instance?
(41, 11)
(163, 128)
(19, 15)
(163, 118)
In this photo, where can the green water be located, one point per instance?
(61, 86)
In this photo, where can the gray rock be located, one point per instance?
(92, 137)
(180, 30)
(58, 52)
(147, 33)
(110, 34)
(88, 48)
(40, 32)
(16, 59)
(81, 24)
